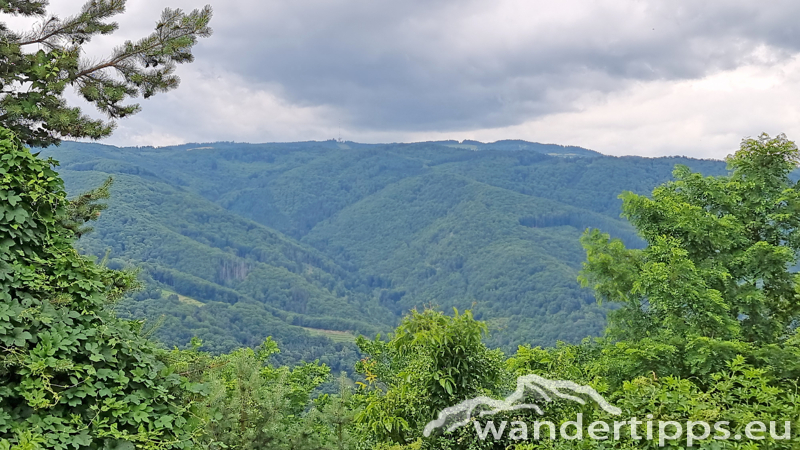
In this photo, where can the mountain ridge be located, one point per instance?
(302, 233)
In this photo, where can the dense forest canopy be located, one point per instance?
(314, 243)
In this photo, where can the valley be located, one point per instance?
(287, 240)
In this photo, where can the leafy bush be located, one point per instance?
(71, 374)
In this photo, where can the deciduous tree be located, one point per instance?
(72, 375)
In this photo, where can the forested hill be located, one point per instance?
(315, 242)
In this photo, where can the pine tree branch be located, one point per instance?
(86, 208)
(78, 28)
(23, 7)
(42, 38)
(173, 20)
(32, 83)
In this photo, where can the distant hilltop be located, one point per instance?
(564, 151)
(517, 144)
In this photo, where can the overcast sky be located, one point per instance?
(618, 76)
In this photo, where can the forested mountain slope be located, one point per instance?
(239, 241)
(223, 278)
(450, 240)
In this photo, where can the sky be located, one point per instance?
(621, 77)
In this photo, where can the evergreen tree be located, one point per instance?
(38, 65)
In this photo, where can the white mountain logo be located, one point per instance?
(461, 414)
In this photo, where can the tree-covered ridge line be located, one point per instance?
(704, 331)
(382, 227)
(568, 151)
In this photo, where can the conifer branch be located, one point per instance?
(32, 84)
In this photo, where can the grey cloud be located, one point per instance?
(449, 65)
(423, 65)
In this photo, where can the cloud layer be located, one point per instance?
(621, 77)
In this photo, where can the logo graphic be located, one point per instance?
(461, 414)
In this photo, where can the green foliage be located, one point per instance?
(433, 361)
(85, 208)
(246, 403)
(71, 374)
(706, 328)
(462, 365)
(715, 279)
(738, 394)
(33, 84)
